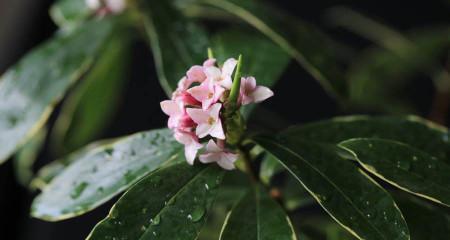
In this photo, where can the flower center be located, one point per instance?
(210, 95)
(211, 120)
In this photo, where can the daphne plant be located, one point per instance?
(212, 173)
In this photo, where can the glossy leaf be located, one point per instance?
(269, 167)
(103, 172)
(172, 203)
(414, 131)
(351, 198)
(45, 175)
(405, 167)
(29, 90)
(68, 13)
(382, 77)
(424, 220)
(383, 80)
(256, 217)
(26, 157)
(266, 65)
(311, 48)
(88, 110)
(176, 43)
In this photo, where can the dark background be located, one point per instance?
(25, 23)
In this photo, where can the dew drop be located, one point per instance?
(197, 214)
(404, 165)
(206, 186)
(156, 220)
(144, 210)
(154, 234)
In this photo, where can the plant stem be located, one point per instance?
(210, 53)
(248, 165)
(234, 94)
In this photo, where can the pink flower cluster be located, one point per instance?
(196, 108)
(105, 7)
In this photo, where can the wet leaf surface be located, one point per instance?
(103, 172)
(351, 198)
(171, 203)
(405, 167)
(256, 216)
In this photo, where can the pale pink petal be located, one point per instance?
(186, 99)
(183, 84)
(212, 147)
(190, 152)
(217, 130)
(173, 122)
(170, 107)
(208, 157)
(226, 82)
(248, 84)
(184, 138)
(246, 100)
(209, 63)
(198, 115)
(199, 92)
(226, 164)
(228, 67)
(93, 4)
(196, 74)
(213, 73)
(116, 6)
(203, 130)
(261, 93)
(215, 110)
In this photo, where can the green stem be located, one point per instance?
(234, 94)
(210, 53)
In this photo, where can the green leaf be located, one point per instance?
(176, 43)
(383, 80)
(403, 166)
(351, 198)
(53, 169)
(103, 172)
(306, 44)
(266, 65)
(269, 167)
(27, 156)
(412, 130)
(255, 217)
(69, 13)
(29, 90)
(172, 203)
(424, 220)
(88, 110)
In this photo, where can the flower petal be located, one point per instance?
(261, 93)
(190, 152)
(170, 107)
(228, 67)
(209, 63)
(212, 147)
(203, 130)
(208, 157)
(213, 73)
(198, 115)
(196, 74)
(215, 110)
(217, 130)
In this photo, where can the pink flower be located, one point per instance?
(217, 153)
(191, 144)
(106, 6)
(250, 93)
(177, 115)
(186, 98)
(207, 93)
(222, 77)
(197, 73)
(209, 122)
